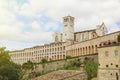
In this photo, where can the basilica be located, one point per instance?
(67, 43)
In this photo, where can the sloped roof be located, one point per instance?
(85, 31)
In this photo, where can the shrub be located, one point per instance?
(91, 69)
(28, 65)
(68, 57)
(44, 61)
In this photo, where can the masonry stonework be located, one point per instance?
(67, 43)
(68, 28)
(109, 62)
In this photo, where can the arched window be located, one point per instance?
(95, 48)
(86, 50)
(92, 49)
(89, 50)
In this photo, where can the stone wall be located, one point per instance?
(107, 74)
(58, 64)
(80, 76)
(90, 46)
(64, 75)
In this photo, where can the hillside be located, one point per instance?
(64, 75)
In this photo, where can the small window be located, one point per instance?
(116, 52)
(65, 20)
(116, 65)
(65, 25)
(111, 64)
(106, 53)
(107, 66)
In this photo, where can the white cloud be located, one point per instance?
(87, 15)
(51, 26)
(35, 26)
(90, 13)
(9, 26)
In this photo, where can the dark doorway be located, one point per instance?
(116, 76)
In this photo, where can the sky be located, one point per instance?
(27, 23)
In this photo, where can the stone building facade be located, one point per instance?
(109, 62)
(52, 51)
(67, 43)
(100, 30)
(68, 30)
(90, 46)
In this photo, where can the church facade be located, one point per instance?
(67, 43)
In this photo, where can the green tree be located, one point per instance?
(73, 65)
(28, 65)
(8, 69)
(44, 61)
(68, 57)
(91, 69)
(4, 57)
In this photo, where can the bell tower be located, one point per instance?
(68, 28)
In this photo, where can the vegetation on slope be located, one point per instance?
(74, 64)
(91, 68)
(8, 69)
(28, 65)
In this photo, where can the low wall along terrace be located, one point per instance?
(58, 64)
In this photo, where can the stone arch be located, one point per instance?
(83, 50)
(75, 52)
(57, 56)
(61, 57)
(104, 43)
(78, 51)
(109, 42)
(95, 48)
(64, 56)
(92, 49)
(64, 48)
(86, 50)
(53, 57)
(56, 38)
(72, 52)
(55, 49)
(89, 50)
(61, 48)
(100, 45)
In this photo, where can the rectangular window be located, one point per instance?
(116, 52)
(74, 37)
(65, 25)
(106, 53)
(82, 36)
(89, 34)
